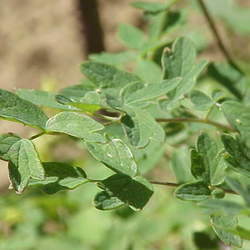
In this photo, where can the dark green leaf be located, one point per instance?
(134, 192)
(237, 158)
(141, 128)
(107, 76)
(77, 125)
(14, 108)
(60, 176)
(24, 164)
(194, 191)
(6, 141)
(116, 155)
(105, 201)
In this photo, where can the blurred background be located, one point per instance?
(42, 44)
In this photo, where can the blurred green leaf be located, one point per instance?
(200, 100)
(152, 7)
(223, 226)
(131, 36)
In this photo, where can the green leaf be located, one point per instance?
(105, 201)
(113, 59)
(131, 36)
(223, 226)
(194, 191)
(134, 192)
(24, 164)
(116, 155)
(187, 82)
(180, 164)
(151, 7)
(240, 186)
(148, 71)
(206, 161)
(238, 116)
(14, 108)
(42, 98)
(83, 104)
(6, 141)
(200, 100)
(77, 125)
(180, 60)
(221, 207)
(237, 159)
(141, 128)
(60, 176)
(149, 92)
(107, 76)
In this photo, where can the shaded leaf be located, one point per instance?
(60, 176)
(6, 141)
(14, 108)
(151, 7)
(105, 201)
(134, 192)
(194, 191)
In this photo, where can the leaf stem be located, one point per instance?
(197, 120)
(217, 36)
(36, 136)
(172, 184)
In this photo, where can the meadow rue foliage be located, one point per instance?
(127, 119)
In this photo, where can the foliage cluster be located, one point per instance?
(128, 119)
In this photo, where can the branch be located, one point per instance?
(172, 184)
(217, 36)
(197, 120)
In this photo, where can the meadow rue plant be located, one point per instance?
(126, 120)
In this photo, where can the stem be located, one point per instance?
(36, 136)
(197, 120)
(217, 36)
(172, 184)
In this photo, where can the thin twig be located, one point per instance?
(197, 120)
(36, 136)
(217, 36)
(172, 184)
